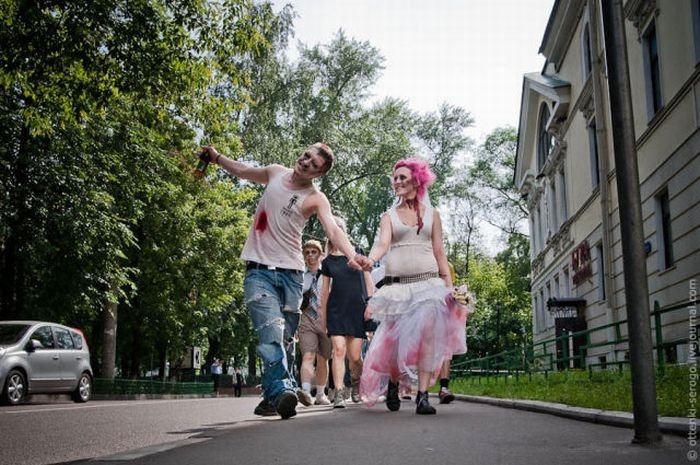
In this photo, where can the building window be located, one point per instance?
(540, 237)
(593, 150)
(533, 233)
(663, 231)
(543, 323)
(695, 12)
(563, 212)
(548, 315)
(652, 70)
(544, 139)
(601, 272)
(537, 323)
(565, 283)
(586, 52)
(603, 361)
(553, 205)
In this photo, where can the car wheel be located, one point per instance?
(15, 388)
(83, 392)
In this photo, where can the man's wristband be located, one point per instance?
(216, 160)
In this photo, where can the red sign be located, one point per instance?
(581, 263)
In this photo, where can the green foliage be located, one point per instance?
(100, 104)
(484, 193)
(441, 135)
(491, 175)
(503, 316)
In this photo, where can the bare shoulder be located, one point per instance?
(316, 203)
(275, 169)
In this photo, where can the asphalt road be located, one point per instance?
(224, 431)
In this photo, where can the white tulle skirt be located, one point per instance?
(420, 327)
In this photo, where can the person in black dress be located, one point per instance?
(343, 295)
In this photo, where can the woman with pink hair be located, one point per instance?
(421, 324)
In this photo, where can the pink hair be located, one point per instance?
(423, 176)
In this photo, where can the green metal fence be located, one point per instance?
(119, 386)
(543, 357)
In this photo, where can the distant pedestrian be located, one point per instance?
(216, 371)
(238, 383)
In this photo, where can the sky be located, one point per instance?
(469, 53)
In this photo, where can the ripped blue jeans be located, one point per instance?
(273, 299)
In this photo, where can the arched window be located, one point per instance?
(652, 70)
(544, 139)
(586, 55)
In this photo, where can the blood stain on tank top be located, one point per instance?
(261, 222)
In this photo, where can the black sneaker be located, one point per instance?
(423, 406)
(304, 397)
(265, 409)
(393, 402)
(286, 404)
(445, 396)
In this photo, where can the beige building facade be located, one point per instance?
(565, 166)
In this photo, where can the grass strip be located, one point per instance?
(602, 389)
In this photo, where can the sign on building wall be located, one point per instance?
(581, 263)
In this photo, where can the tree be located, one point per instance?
(492, 176)
(441, 135)
(501, 284)
(503, 317)
(99, 104)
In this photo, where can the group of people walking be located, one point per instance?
(332, 324)
(421, 324)
(216, 369)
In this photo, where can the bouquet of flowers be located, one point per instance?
(465, 298)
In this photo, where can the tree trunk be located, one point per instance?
(8, 309)
(109, 339)
(12, 284)
(252, 356)
(162, 360)
(135, 362)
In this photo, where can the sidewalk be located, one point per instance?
(670, 425)
(466, 431)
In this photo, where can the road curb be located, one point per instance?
(671, 425)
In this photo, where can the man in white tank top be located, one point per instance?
(275, 264)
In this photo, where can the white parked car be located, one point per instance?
(43, 358)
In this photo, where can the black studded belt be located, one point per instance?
(260, 266)
(414, 278)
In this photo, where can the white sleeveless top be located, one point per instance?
(411, 253)
(275, 235)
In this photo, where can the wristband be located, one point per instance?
(216, 160)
